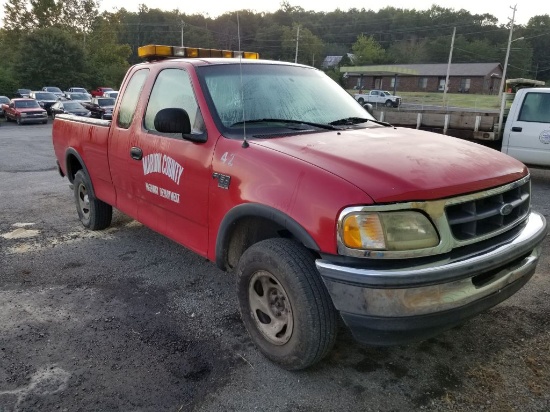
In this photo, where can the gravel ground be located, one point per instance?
(126, 320)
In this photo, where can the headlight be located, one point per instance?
(388, 231)
(23, 114)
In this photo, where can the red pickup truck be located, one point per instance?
(273, 171)
(23, 110)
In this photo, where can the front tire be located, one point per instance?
(361, 101)
(18, 120)
(284, 304)
(93, 213)
(389, 103)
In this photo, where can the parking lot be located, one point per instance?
(126, 320)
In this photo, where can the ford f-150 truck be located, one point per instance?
(273, 171)
(378, 97)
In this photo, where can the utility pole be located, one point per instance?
(182, 25)
(503, 80)
(449, 68)
(297, 37)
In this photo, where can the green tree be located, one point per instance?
(367, 51)
(310, 47)
(57, 59)
(537, 33)
(108, 60)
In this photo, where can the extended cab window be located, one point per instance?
(173, 89)
(130, 98)
(535, 108)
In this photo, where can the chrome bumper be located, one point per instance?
(439, 292)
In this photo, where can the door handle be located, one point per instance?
(517, 129)
(136, 153)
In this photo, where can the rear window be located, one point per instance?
(45, 96)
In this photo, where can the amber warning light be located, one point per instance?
(155, 52)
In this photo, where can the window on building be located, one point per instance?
(464, 86)
(394, 82)
(422, 82)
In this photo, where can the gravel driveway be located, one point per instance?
(126, 320)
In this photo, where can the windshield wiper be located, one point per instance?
(356, 120)
(267, 120)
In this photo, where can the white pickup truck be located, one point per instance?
(378, 97)
(526, 134)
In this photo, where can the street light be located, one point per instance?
(503, 80)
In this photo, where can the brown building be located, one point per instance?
(479, 78)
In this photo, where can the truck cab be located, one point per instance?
(526, 134)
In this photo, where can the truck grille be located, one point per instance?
(484, 215)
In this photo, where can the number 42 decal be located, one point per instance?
(227, 158)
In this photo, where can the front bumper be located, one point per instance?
(384, 307)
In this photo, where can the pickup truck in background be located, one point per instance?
(100, 90)
(100, 107)
(378, 97)
(521, 130)
(322, 214)
(24, 110)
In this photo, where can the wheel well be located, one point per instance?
(73, 166)
(250, 230)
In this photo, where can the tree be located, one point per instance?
(309, 46)
(368, 51)
(57, 59)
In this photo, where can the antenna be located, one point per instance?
(245, 142)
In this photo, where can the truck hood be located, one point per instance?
(399, 164)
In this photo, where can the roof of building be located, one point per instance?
(332, 61)
(437, 69)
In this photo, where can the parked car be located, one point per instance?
(55, 90)
(79, 97)
(100, 90)
(101, 107)
(68, 107)
(44, 99)
(112, 94)
(22, 93)
(25, 110)
(3, 100)
(77, 90)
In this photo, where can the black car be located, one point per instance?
(45, 99)
(22, 93)
(69, 107)
(101, 107)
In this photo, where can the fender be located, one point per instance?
(258, 210)
(70, 172)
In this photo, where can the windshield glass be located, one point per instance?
(4, 99)
(78, 96)
(26, 104)
(54, 89)
(73, 106)
(25, 91)
(79, 90)
(275, 91)
(45, 96)
(106, 102)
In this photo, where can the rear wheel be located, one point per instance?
(284, 304)
(93, 213)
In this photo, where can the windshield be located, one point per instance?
(26, 104)
(79, 90)
(25, 91)
(53, 89)
(275, 91)
(4, 99)
(45, 96)
(73, 106)
(106, 102)
(78, 96)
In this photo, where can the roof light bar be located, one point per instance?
(156, 52)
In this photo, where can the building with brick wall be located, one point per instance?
(478, 78)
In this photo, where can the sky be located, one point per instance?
(213, 8)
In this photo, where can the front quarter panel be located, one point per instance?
(304, 192)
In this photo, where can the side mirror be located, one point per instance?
(176, 120)
(369, 108)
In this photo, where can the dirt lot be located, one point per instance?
(126, 320)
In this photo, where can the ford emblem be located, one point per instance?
(506, 209)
